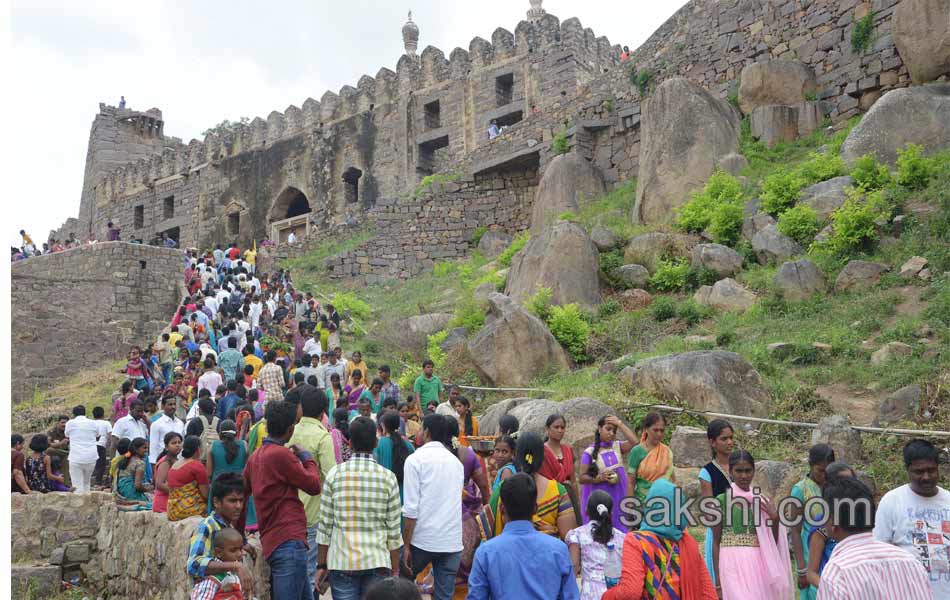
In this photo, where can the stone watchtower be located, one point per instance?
(118, 136)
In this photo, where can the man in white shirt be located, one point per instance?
(333, 367)
(210, 379)
(255, 314)
(432, 483)
(916, 516)
(166, 423)
(131, 426)
(82, 434)
(312, 346)
(292, 238)
(212, 303)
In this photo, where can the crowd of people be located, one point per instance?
(247, 414)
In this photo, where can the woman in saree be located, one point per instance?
(555, 513)
(651, 459)
(750, 556)
(819, 457)
(166, 459)
(661, 561)
(131, 488)
(354, 389)
(602, 464)
(559, 459)
(187, 483)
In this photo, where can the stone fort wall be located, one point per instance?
(78, 308)
(233, 185)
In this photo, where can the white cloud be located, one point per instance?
(201, 62)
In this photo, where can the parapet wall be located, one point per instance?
(131, 555)
(74, 309)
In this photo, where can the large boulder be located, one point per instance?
(569, 183)
(726, 294)
(915, 115)
(712, 380)
(690, 447)
(455, 339)
(648, 249)
(684, 131)
(771, 246)
(633, 276)
(773, 124)
(562, 258)
(782, 82)
(603, 238)
(900, 406)
(826, 197)
(775, 478)
(493, 243)
(799, 279)
(724, 261)
(836, 431)
(514, 347)
(859, 275)
(488, 421)
(429, 324)
(754, 223)
(921, 30)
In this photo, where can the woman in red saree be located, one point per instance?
(559, 458)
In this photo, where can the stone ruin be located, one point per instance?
(354, 159)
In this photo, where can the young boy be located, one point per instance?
(228, 548)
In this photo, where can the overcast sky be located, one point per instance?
(204, 61)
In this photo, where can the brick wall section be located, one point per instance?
(78, 308)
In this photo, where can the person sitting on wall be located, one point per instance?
(112, 234)
(292, 239)
(625, 54)
(493, 130)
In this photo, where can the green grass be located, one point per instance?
(613, 211)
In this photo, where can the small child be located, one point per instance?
(588, 545)
(248, 376)
(56, 481)
(228, 547)
(502, 455)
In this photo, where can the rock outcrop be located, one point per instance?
(921, 30)
(724, 261)
(771, 246)
(726, 294)
(562, 258)
(690, 446)
(514, 347)
(826, 197)
(493, 243)
(916, 115)
(569, 183)
(775, 82)
(685, 129)
(859, 275)
(836, 431)
(648, 249)
(712, 380)
(429, 324)
(799, 279)
(902, 405)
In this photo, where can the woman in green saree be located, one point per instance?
(130, 487)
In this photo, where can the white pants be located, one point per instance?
(81, 475)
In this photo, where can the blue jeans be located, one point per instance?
(352, 585)
(312, 553)
(288, 572)
(444, 567)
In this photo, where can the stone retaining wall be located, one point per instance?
(78, 308)
(132, 555)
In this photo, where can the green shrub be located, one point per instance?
(691, 313)
(670, 276)
(821, 167)
(870, 175)
(569, 328)
(663, 309)
(560, 145)
(609, 308)
(444, 268)
(468, 314)
(799, 223)
(863, 34)
(610, 263)
(853, 225)
(697, 277)
(539, 303)
(643, 81)
(726, 224)
(433, 350)
(429, 180)
(347, 302)
(371, 347)
(477, 235)
(913, 170)
(780, 191)
(567, 216)
(811, 96)
(697, 214)
(504, 259)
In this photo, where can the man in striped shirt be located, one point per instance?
(358, 526)
(861, 567)
(271, 378)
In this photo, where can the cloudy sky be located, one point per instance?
(204, 61)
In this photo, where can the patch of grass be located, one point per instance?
(477, 235)
(644, 81)
(862, 35)
(504, 259)
(429, 180)
(612, 210)
(560, 145)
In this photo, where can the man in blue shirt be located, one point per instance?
(500, 571)
(234, 397)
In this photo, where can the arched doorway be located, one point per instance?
(289, 213)
(351, 185)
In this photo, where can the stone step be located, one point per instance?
(35, 581)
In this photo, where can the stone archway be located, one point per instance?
(290, 203)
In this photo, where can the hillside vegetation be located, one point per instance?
(806, 382)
